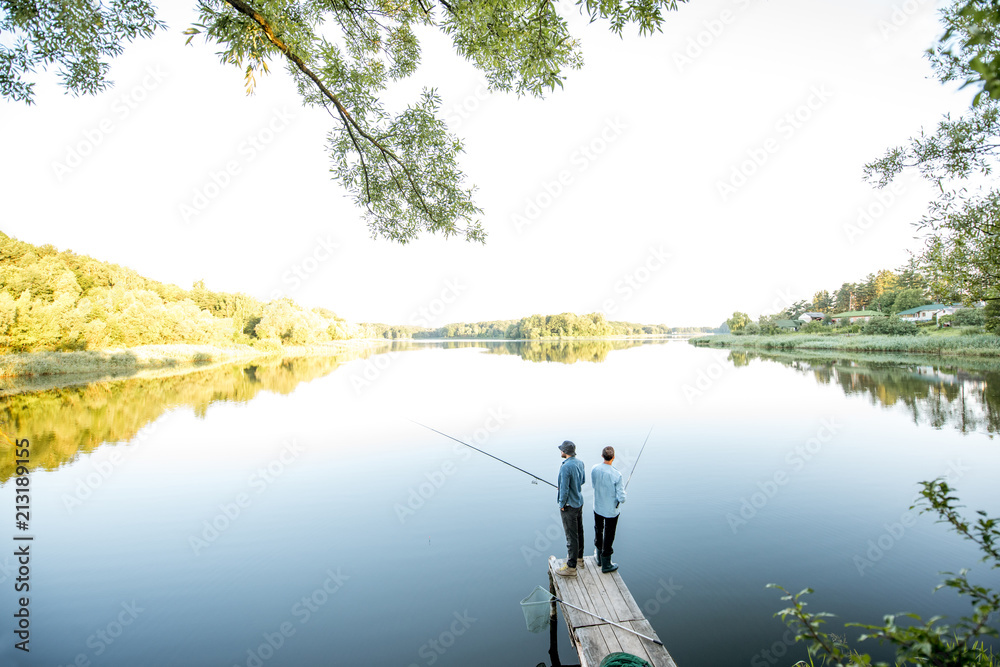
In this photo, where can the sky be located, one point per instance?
(714, 167)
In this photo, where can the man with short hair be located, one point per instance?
(609, 494)
(572, 477)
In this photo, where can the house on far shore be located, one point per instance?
(853, 316)
(929, 312)
(812, 317)
(789, 325)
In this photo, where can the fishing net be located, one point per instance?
(624, 660)
(536, 608)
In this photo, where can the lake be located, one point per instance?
(294, 513)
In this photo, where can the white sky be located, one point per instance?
(672, 132)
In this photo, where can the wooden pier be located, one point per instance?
(605, 595)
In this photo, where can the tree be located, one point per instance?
(844, 299)
(401, 168)
(974, 34)
(911, 275)
(885, 281)
(909, 298)
(865, 292)
(822, 302)
(738, 321)
(886, 303)
(793, 311)
(79, 41)
(962, 225)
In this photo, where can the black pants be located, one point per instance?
(604, 534)
(572, 520)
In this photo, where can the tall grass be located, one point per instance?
(978, 345)
(148, 357)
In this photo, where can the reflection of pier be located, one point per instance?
(605, 595)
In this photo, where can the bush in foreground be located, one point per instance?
(918, 642)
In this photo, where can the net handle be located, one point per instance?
(617, 625)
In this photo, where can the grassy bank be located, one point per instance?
(974, 345)
(157, 357)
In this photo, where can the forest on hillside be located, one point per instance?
(53, 300)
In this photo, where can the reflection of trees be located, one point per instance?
(936, 393)
(63, 423)
(739, 358)
(562, 351)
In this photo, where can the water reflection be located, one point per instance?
(964, 394)
(563, 351)
(69, 421)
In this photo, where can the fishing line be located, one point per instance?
(487, 453)
(638, 457)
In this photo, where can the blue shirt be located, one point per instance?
(609, 490)
(572, 477)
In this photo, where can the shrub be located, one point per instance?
(813, 327)
(769, 328)
(991, 313)
(889, 326)
(969, 317)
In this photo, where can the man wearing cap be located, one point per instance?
(572, 476)
(609, 494)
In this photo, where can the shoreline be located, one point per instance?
(28, 371)
(38, 370)
(975, 346)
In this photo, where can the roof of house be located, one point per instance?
(812, 315)
(928, 307)
(857, 313)
(784, 324)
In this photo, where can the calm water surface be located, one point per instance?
(293, 514)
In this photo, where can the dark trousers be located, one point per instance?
(604, 534)
(572, 519)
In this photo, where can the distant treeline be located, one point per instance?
(886, 291)
(54, 301)
(566, 325)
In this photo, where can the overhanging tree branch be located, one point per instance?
(350, 124)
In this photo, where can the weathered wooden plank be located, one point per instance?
(591, 646)
(611, 637)
(568, 589)
(607, 596)
(620, 602)
(658, 655)
(634, 610)
(598, 593)
(598, 597)
(634, 644)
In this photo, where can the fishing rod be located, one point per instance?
(638, 457)
(487, 453)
